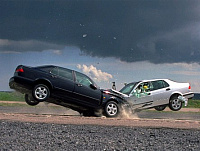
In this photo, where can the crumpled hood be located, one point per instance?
(115, 93)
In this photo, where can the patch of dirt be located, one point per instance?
(131, 121)
(57, 119)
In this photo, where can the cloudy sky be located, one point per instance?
(121, 41)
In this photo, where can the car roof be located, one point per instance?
(54, 66)
(153, 80)
(43, 66)
(51, 66)
(150, 80)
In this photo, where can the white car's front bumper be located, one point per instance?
(189, 95)
(183, 99)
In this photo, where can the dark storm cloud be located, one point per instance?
(157, 31)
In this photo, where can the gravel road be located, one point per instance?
(46, 136)
(23, 128)
(54, 132)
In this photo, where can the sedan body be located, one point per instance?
(157, 93)
(64, 87)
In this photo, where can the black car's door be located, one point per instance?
(85, 90)
(63, 82)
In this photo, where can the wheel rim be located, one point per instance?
(41, 92)
(112, 109)
(176, 104)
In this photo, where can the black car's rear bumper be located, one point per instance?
(21, 87)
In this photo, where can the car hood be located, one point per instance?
(115, 93)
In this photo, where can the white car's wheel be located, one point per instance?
(175, 104)
(41, 92)
(112, 109)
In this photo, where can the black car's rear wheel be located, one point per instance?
(160, 107)
(175, 104)
(112, 109)
(30, 100)
(41, 92)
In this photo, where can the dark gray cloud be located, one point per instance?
(139, 30)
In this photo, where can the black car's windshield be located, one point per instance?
(128, 88)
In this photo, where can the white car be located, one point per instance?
(157, 93)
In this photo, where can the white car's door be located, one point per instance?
(141, 96)
(160, 92)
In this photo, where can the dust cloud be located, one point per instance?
(129, 114)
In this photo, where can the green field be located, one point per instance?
(15, 96)
(11, 96)
(193, 104)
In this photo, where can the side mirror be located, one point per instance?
(93, 86)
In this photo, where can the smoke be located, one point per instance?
(94, 73)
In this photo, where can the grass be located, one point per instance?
(11, 96)
(16, 96)
(13, 104)
(193, 104)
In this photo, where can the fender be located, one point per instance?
(176, 92)
(108, 97)
(43, 80)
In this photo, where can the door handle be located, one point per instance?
(168, 89)
(53, 76)
(148, 93)
(79, 85)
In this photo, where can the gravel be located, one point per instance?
(44, 136)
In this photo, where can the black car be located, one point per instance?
(65, 87)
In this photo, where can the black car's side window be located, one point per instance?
(65, 73)
(54, 71)
(83, 79)
(61, 72)
(159, 84)
(46, 69)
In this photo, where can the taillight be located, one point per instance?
(189, 87)
(20, 70)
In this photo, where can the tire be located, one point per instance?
(41, 92)
(160, 107)
(112, 109)
(175, 104)
(30, 100)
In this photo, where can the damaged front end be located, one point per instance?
(116, 95)
(183, 100)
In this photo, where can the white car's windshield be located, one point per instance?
(128, 88)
